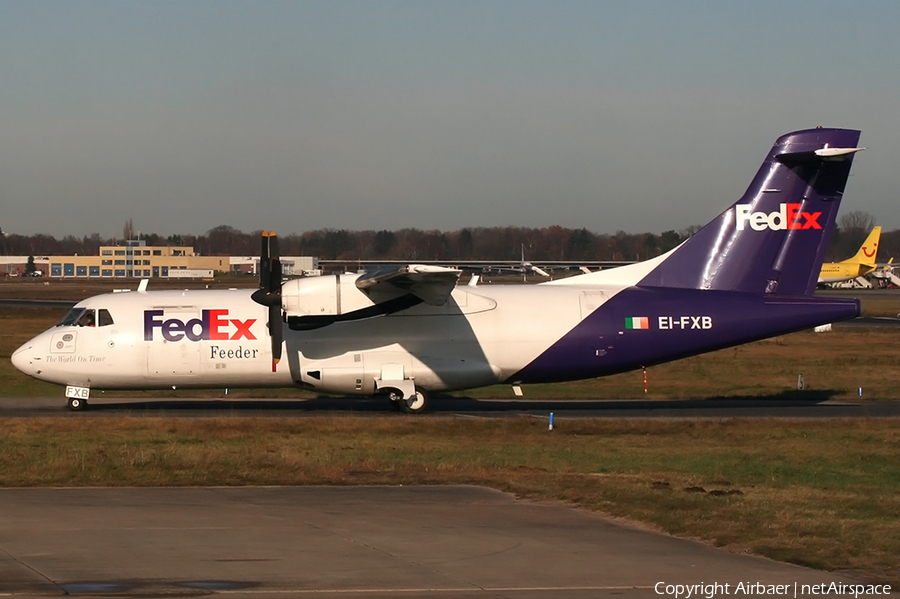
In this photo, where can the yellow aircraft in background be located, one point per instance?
(859, 265)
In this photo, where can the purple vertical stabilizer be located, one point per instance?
(773, 240)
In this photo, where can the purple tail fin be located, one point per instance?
(773, 240)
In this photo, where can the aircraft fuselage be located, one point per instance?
(482, 336)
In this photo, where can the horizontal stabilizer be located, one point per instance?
(822, 154)
(837, 152)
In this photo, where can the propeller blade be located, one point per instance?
(264, 261)
(274, 265)
(269, 292)
(275, 334)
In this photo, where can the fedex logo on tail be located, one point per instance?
(788, 217)
(213, 325)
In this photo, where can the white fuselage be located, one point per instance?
(219, 338)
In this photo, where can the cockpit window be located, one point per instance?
(70, 318)
(87, 319)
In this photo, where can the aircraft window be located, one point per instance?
(104, 318)
(87, 319)
(70, 318)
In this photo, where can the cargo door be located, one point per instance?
(179, 358)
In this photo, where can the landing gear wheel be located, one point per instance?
(396, 399)
(76, 404)
(415, 404)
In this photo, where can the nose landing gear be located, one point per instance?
(76, 404)
(77, 397)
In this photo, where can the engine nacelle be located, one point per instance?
(323, 296)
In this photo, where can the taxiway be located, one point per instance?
(806, 405)
(361, 542)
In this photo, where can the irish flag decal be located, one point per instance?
(637, 322)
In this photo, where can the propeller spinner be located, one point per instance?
(269, 292)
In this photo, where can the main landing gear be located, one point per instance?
(414, 404)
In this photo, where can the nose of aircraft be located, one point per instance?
(21, 359)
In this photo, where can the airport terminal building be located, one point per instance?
(135, 259)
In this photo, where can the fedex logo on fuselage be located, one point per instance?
(213, 325)
(788, 217)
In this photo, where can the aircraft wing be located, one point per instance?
(431, 284)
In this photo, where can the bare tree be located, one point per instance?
(128, 230)
(857, 219)
(853, 228)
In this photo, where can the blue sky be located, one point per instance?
(635, 116)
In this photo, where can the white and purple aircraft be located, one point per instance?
(409, 330)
